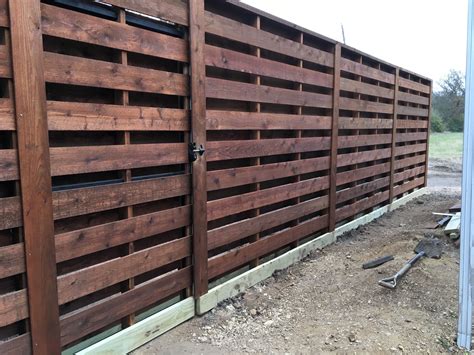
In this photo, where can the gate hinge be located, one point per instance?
(193, 151)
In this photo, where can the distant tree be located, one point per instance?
(449, 101)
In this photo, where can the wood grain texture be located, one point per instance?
(34, 167)
(198, 124)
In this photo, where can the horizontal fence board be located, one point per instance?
(65, 69)
(5, 62)
(239, 256)
(361, 205)
(18, 345)
(365, 89)
(14, 307)
(226, 150)
(402, 163)
(237, 31)
(364, 106)
(401, 189)
(410, 149)
(7, 118)
(413, 85)
(362, 189)
(364, 123)
(222, 179)
(93, 278)
(362, 173)
(231, 205)
(408, 174)
(96, 316)
(80, 160)
(171, 10)
(366, 71)
(227, 59)
(10, 210)
(412, 124)
(4, 18)
(12, 260)
(236, 231)
(363, 140)
(78, 202)
(412, 111)
(73, 25)
(9, 165)
(238, 91)
(234, 120)
(361, 157)
(411, 137)
(416, 99)
(75, 116)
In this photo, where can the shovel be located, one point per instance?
(431, 248)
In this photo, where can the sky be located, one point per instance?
(427, 37)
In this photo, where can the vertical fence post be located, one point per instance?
(428, 129)
(198, 128)
(334, 138)
(35, 174)
(394, 135)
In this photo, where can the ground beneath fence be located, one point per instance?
(329, 303)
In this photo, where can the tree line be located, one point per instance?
(448, 104)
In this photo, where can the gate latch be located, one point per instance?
(194, 151)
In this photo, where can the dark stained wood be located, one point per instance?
(364, 106)
(364, 70)
(233, 90)
(360, 87)
(408, 174)
(363, 140)
(237, 31)
(225, 150)
(65, 69)
(411, 137)
(73, 25)
(171, 10)
(4, 18)
(362, 189)
(334, 138)
(394, 134)
(10, 210)
(79, 160)
(231, 205)
(361, 157)
(430, 108)
(7, 115)
(234, 120)
(412, 111)
(413, 85)
(198, 123)
(34, 166)
(82, 282)
(236, 231)
(402, 163)
(401, 189)
(361, 205)
(416, 99)
(222, 179)
(362, 173)
(12, 261)
(411, 124)
(76, 116)
(239, 256)
(364, 123)
(8, 165)
(410, 149)
(96, 316)
(18, 345)
(240, 62)
(14, 307)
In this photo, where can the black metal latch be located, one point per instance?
(194, 151)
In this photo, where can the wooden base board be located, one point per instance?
(142, 332)
(248, 279)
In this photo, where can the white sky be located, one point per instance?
(424, 36)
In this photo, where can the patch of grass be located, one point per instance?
(446, 145)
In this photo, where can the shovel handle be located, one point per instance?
(391, 282)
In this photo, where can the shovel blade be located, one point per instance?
(433, 248)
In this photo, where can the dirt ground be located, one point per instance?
(329, 303)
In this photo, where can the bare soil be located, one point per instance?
(329, 303)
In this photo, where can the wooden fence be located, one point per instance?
(105, 214)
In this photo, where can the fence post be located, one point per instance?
(334, 138)
(35, 174)
(198, 137)
(394, 135)
(428, 130)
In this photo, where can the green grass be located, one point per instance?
(446, 145)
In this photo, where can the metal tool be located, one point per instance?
(431, 248)
(377, 262)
